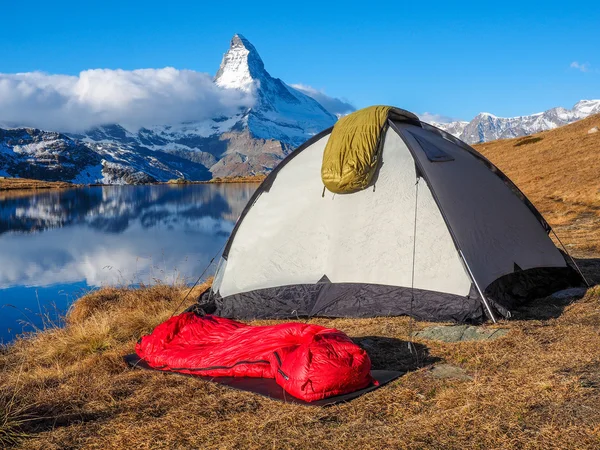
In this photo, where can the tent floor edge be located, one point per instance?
(359, 300)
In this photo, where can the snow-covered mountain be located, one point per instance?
(251, 141)
(47, 155)
(280, 111)
(487, 127)
(454, 128)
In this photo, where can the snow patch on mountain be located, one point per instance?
(241, 66)
(587, 107)
(454, 128)
(89, 175)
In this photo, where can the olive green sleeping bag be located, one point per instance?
(353, 150)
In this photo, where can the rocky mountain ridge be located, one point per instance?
(487, 127)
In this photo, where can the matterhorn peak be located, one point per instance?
(241, 65)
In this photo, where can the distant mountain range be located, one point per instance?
(252, 140)
(487, 127)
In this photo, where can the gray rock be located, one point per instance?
(576, 292)
(461, 333)
(593, 130)
(447, 371)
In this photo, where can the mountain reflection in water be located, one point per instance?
(57, 244)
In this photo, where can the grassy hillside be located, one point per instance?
(538, 387)
(559, 171)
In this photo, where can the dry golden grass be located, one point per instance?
(559, 171)
(536, 388)
(246, 179)
(47, 377)
(218, 180)
(7, 184)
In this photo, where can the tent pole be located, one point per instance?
(485, 302)
(411, 345)
(572, 259)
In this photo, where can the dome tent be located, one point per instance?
(439, 234)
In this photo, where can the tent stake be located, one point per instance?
(485, 302)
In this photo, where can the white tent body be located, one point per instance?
(295, 235)
(439, 230)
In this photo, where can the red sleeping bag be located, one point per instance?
(309, 361)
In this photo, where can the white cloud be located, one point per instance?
(134, 98)
(583, 67)
(335, 106)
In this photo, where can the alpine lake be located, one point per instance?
(58, 244)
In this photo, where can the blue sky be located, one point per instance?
(508, 58)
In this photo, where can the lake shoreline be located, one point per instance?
(29, 184)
